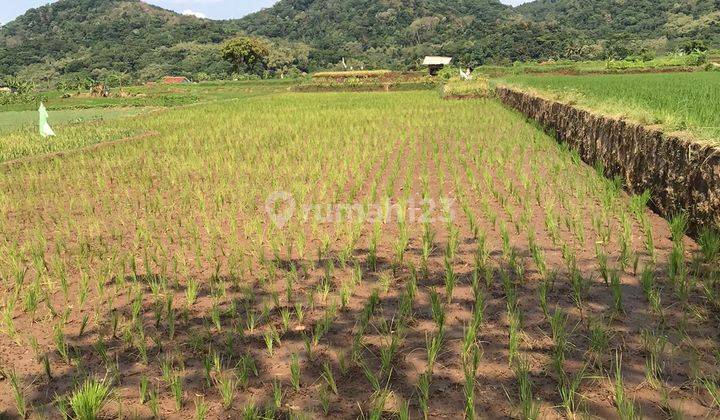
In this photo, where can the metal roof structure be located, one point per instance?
(436, 61)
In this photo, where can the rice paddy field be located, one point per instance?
(81, 121)
(677, 101)
(344, 255)
(12, 121)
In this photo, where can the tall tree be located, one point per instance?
(246, 53)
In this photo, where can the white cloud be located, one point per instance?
(189, 12)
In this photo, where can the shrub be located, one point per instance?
(448, 72)
(16, 98)
(18, 85)
(293, 73)
(202, 77)
(697, 58)
(693, 46)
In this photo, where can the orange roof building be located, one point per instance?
(175, 80)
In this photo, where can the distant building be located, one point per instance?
(175, 80)
(435, 64)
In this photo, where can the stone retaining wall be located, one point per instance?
(680, 174)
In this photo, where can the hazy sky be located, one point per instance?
(215, 9)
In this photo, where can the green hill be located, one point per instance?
(86, 36)
(382, 32)
(605, 19)
(394, 32)
(72, 39)
(658, 24)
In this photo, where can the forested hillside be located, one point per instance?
(85, 36)
(101, 39)
(659, 24)
(394, 32)
(383, 32)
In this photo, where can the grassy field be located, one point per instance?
(21, 140)
(346, 255)
(15, 120)
(470, 89)
(158, 95)
(678, 101)
(673, 62)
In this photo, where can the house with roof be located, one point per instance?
(436, 63)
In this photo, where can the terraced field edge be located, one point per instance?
(682, 175)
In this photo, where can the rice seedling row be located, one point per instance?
(227, 269)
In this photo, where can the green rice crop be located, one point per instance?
(157, 263)
(80, 122)
(677, 101)
(16, 120)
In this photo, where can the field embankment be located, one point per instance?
(681, 174)
(13, 121)
(688, 102)
(466, 89)
(366, 81)
(673, 63)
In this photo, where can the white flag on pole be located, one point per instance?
(45, 129)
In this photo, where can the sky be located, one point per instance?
(213, 9)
